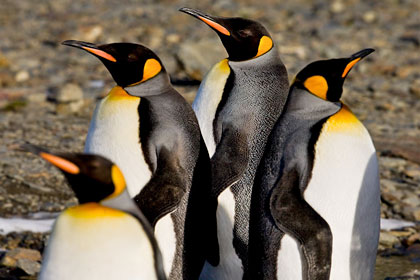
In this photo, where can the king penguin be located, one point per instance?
(315, 208)
(106, 236)
(148, 129)
(237, 105)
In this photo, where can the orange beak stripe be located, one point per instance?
(100, 53)
(349, 66)
(215, 25)
(61, 163)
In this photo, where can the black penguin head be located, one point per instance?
(129, 64)
(242, 38)
(93, 178)
(325, 78)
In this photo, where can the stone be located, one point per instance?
(400, 233)
(337, 7)
(22, 76)
(388, 240)
(411, 213)
(29, 266)
(412, 200)
(415, 88)
(69, 93)
(369, 17)
(12, 257)
(413, 238)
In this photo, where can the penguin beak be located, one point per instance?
(56, 160)
(213, 22)
(354, 58)
(92, 48)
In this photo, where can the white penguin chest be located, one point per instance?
(114, 134)
(344, 191)
(101, 243)
(207, 100)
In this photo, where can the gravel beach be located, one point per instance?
(48, 92)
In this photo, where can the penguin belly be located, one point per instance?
(344, 190)
(166, 238)
(230, 266)
(114, 134)
(91, 241)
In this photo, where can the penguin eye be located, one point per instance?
(132, 57)
(245, 33)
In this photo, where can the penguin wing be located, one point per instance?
(230, 160)
(165, 190)
(293, 215)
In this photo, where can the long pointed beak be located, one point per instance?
(354, 58)
(56, 160)
(92, 48)
(211, 21)
(361, 54)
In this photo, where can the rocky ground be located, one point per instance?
(48, 91)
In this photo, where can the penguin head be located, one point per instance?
(325, 78)
(93, 178)
(129, 64)
(243, 39)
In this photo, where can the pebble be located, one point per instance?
(413, 238)
(388, 240)
(11, 258)
(337, 7)
(22, 76)
(29, 266)
(415, 88)
(369, 16)
(69, 93)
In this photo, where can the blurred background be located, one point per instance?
(48, 92)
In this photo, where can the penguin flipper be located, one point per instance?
(165, 190)
(230, 160)
(293, 215)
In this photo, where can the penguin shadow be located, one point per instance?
(364, 236)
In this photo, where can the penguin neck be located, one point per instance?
(303, 102)
(263, 61)
(160, 84)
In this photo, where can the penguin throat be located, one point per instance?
(154, 86)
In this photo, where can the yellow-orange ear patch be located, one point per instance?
(216, 26)
(349, 66)
(118, 180)
(100, 53)
(151, 68)
(265, 45)
(61, 163)
(317, 85)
